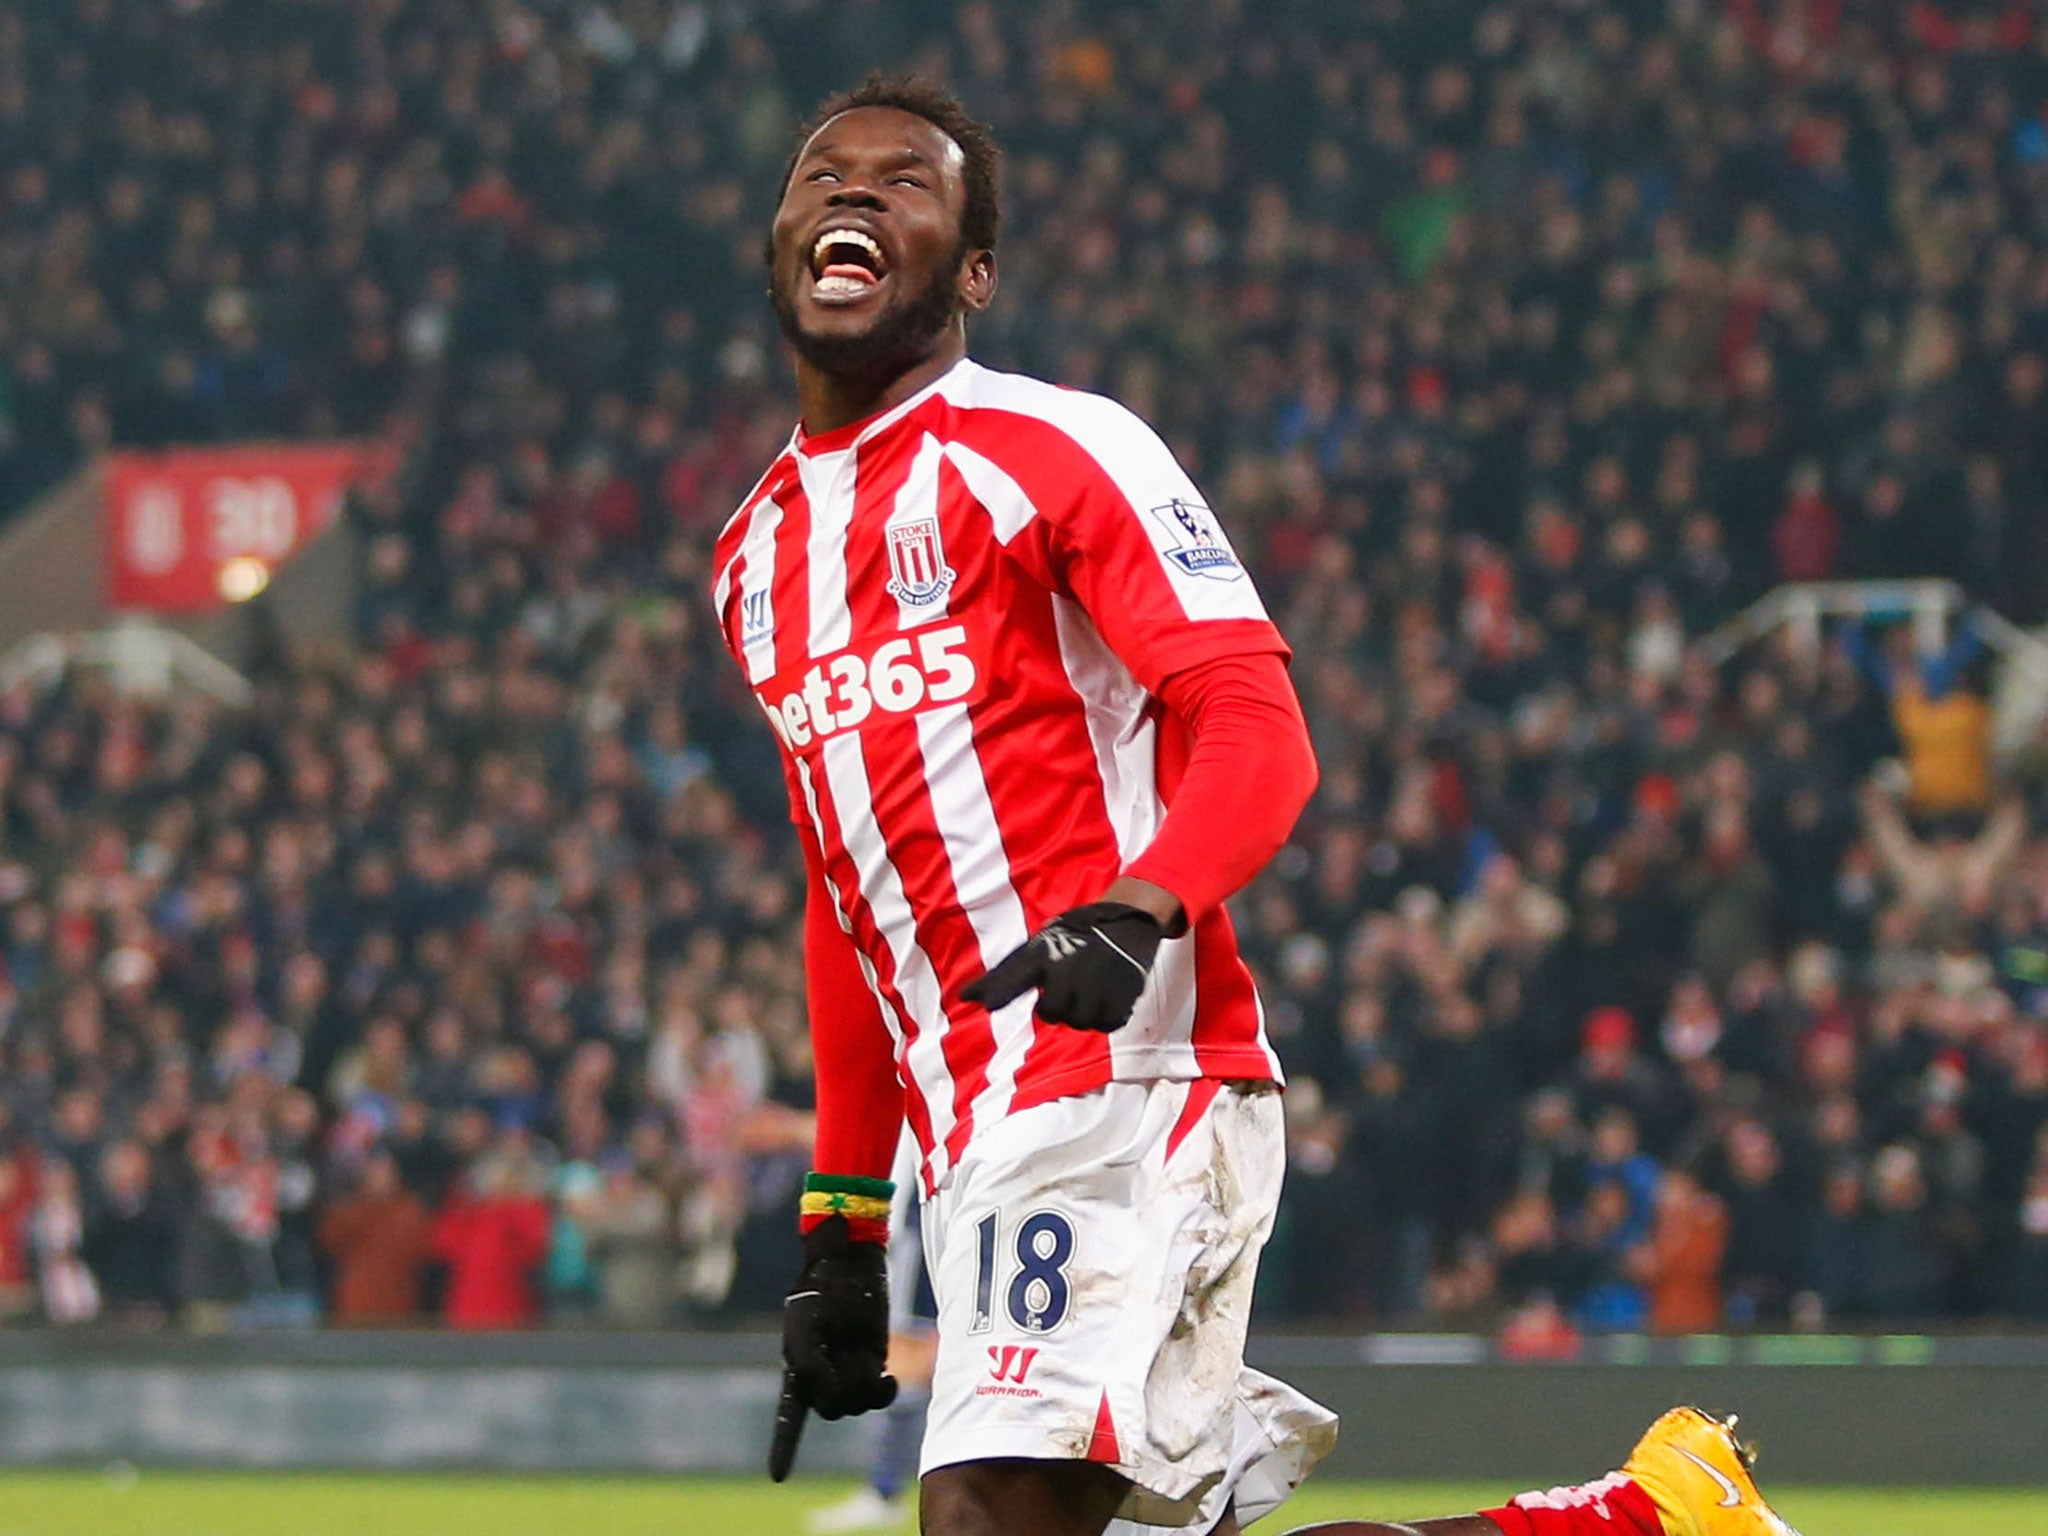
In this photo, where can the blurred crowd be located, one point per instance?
(1519, 345)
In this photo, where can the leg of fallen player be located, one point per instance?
(1467, 1525)
(1509, 1522)
(1688, 1476)
(1010, 1498)
(1461, 1525)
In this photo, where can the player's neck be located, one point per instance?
(831, 401)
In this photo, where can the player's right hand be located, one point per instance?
(835, 1334)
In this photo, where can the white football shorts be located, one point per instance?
(1093, 1260)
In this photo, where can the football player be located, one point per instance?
(1037, 727)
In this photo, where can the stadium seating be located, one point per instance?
(1518, 345)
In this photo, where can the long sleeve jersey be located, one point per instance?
(998, 635)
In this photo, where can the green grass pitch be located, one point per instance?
(248, 1504)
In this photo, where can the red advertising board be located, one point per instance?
(191, 529)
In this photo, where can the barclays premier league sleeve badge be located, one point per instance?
(1195, 541)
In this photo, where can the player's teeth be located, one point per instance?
(852, 237)
(835, 286)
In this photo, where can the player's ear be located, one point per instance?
(978, 279)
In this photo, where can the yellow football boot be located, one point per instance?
(1697, 1474)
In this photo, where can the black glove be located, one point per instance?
(835, 1336)
(1089, 965)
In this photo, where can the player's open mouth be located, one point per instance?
(846, 264)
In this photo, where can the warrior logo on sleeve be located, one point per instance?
(757, 618)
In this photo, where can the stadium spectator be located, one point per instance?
(626, 1222)
(1389, 1186)
(1612, 1075)
(1611, 1298)
(1944, 726)
(380, 1240)
(493, 1236)
(131, 1238)
(1680, 1264)
(2028, 1296)
(18, 1179)
(1807, 538)
(1764, 1209)
(1943, 874)
(70, 1293)
(1909, 1263)
(1835, 1274)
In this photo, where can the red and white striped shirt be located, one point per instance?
(957, 616)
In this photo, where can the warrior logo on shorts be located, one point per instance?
(919, 575)
(1007, 1362)
(1008, 1366)
(1198, 546)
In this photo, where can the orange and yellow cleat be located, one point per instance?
(1698, 1475)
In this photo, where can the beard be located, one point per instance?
(901, 336)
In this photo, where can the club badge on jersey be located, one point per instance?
(919, 575)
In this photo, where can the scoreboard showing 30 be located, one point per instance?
(192, 529)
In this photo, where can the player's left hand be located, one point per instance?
(1090, 966)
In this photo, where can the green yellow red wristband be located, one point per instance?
(863, 1202)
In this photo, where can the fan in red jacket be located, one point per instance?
(492, 1236)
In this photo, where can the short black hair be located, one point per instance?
(981, 220)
